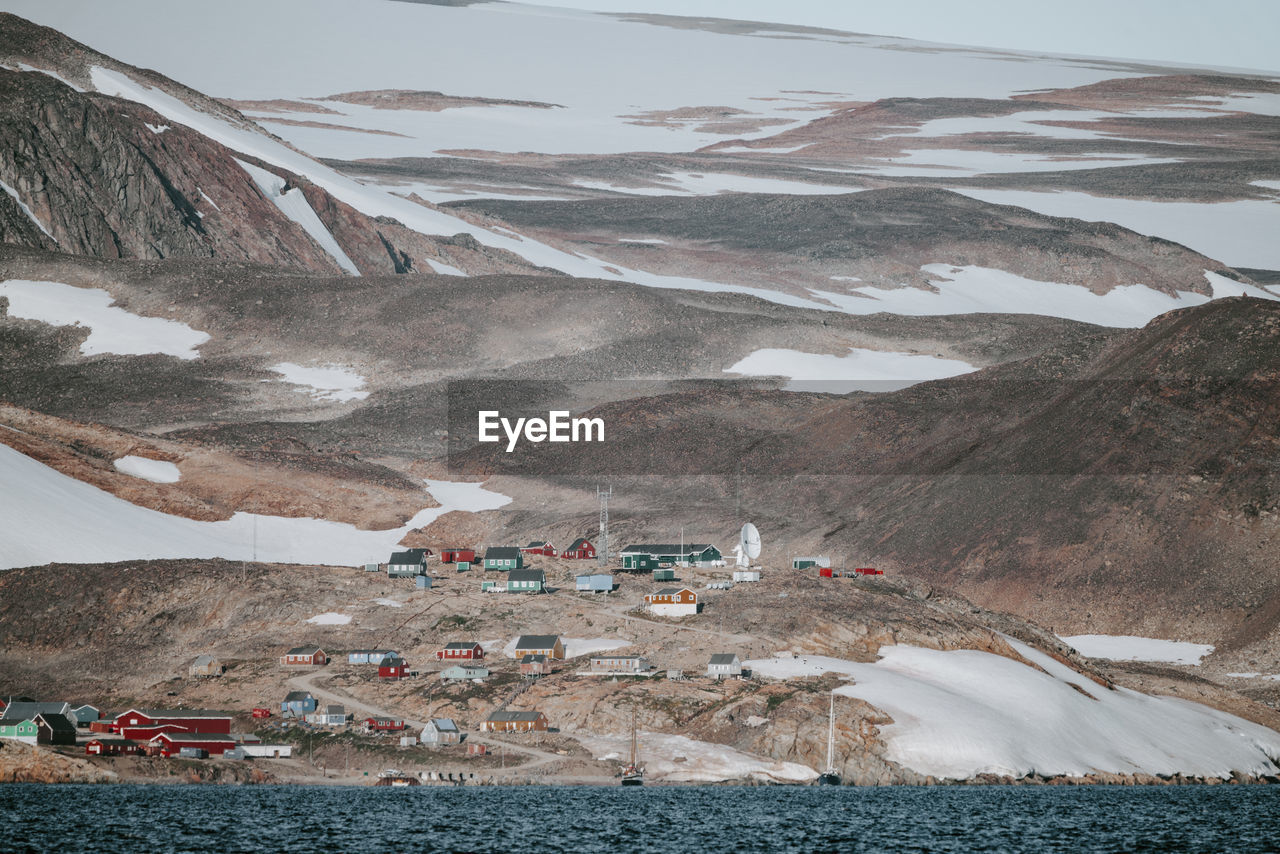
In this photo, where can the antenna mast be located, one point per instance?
(602, 553)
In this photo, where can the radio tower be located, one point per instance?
(602, 553)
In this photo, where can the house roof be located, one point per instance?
(670, 591)
(533, 658)
(724, 658)
(10, 720)
(393, 661)
(580, 543)
(175, 713)
(536, 544)
(371, 652)
(501, 553)
(595, 575)
(296, 696)
(526, 575)
(617, 657)
(462, 645)
(111, 739)
(304, 650)
(335, 710)
(56, 722)
(412, 557)
(202, 660)
(467, 668)
(443, 724)
(536, 641)
(665, 549)
(501, 717)
(194, 736)
(24, 710)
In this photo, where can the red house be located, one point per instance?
(171, 743)
(393, 667)
(304, 656)
(580, 550)
(460, 651)
(112, 746)
(539, 547)
(146, 724)
(383, 724)
(457, 555)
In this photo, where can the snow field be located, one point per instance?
(704, 762)
(156, 471)
(1131, 648)
(295, 206)
(112, 330)
(330, 618)
(327, 382)
(859, 370)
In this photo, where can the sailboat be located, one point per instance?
(830, 777)
(632, 774)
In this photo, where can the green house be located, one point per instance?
(490, 586)
(639, 561)
(526, 581)
(683, 554)
(25, 730)
(463, 566)
(664, 575)
(503, 558)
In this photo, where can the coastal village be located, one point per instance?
(665, 583)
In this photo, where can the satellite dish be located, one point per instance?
(748, 545)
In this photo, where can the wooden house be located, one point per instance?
(686, 554)
(369, 656)
(539, 547)
(600, 582)
(145, 724)
(672, 602)
(460, 651)
(298, 704)
(18, 728)
(112, 745)
(441, 731)
(457, 555)
(393, 668)
(526, 581)
(464, 673)
(535, 665)
(502, 558)
(330, 715)
(548, 645)
(304, 656)
(383, 724)
(619, 665)
(581, 549)
(515, 722)
(205, 666)
(83, 716)
(172, 743)
(724, 664)
(407, 564)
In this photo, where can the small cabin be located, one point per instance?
(83, 716)
(580, 549)
(464, 673)
(298, 704)
(539, 547)
(599, 582)
(724, 664)
(407, 564)
(393, 668)
(383, 724)
(422, 582)
(457, 555)
(441, 731)
(515, 722)
(619, 665)
(548, 645)
(526, 581)
(503, 558)
(304, 656)
(206, 666)
(331, 715)
(460, 651)
(535, 665)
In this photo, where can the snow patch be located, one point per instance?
(205, 196)
(295, 206)
(703, 761)
(575, 647)
(26, 210)
(67, 521)
(327, 382)
(961, 713)
(156, 129)
(859, 370)
(390, 603)
(443, 268)
(156, 471)
(112, 329)
(330, 618)
(1131, 648)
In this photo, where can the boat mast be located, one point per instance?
(633, 736)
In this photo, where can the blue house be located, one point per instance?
(369, 656)
(297, 704)
(595, 583)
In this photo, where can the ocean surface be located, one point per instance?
(211, 819)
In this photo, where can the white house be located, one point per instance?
(672, 602)
(724, 664)
(441, 731)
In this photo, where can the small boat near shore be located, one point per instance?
(633, 774)
(830, 777)
(392, 777)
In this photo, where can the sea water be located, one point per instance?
(206, 819)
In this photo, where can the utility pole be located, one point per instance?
(602, 553)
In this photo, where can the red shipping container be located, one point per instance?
(261, 713)
(825, 572)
